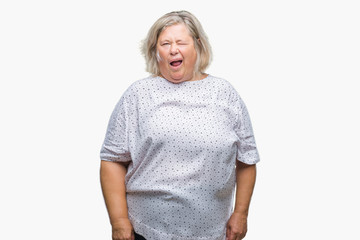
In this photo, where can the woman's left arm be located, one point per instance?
(245, 181)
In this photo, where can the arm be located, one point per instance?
(245, 182)
(112, 177)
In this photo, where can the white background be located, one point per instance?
(64, 65)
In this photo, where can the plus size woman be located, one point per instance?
(178, 144)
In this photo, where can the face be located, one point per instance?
(177, 54)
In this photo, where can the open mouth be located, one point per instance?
(176, 63)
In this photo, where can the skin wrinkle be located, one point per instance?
(176, 42)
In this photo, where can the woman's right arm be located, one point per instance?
(112, 177)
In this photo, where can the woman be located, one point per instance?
(172, 144)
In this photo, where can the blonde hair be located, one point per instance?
(201, 42)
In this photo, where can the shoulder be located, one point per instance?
(225, 88)
(144, 82)
(139, 87)
(223, 83)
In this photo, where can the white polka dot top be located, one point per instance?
(182, 140)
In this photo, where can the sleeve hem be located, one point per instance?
(118, 161)
(249, 158)
(122, 158)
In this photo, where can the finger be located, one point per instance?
(237, 236)
(232, 236)
(228, 233)
(129, 236)
(132, 235)
(240, 236)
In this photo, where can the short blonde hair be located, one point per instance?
(201, 42)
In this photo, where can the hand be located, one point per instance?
(123, 230)
(236, 227)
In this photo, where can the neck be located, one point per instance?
(199, 76)
(195, 77)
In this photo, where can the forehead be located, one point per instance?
(178, 30)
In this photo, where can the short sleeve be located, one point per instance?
(246, 146)
(115, 147)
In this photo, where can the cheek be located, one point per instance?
(191, 55)
(162, 51)
(188, 52)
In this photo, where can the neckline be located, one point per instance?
(187, 82)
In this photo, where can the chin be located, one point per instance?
(177, 77)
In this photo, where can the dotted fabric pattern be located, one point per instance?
(182, 141)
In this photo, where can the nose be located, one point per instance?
(174, 49)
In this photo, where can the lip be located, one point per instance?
(173, 60)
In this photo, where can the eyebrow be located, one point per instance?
(177, 41)
(162, 41)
